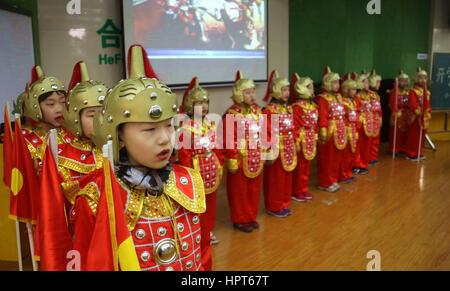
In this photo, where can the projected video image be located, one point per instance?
(167, 26)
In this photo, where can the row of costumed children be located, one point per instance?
(144, 203)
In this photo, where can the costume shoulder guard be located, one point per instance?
(36, 142)
(325, 96)
(186, 188)
(272, 108)
(235, 110)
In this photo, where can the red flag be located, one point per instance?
(24, 181)
(111, 247)
(54, 236)
(7, 149)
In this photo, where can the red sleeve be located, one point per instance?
(268, 115)
(323, 112)
(220, 156)
(229, 136)
(392, 102)
(184, 154)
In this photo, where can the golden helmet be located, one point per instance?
(328, 78)
(240, 85)
(194, 93)
(83, 93)
(347, 85)
(420, 72)
(39, 85)
(402, 75)
(360, 80)
(140, 98)
(374, 78)
(19, 103)
(275, 85)
(300, 86)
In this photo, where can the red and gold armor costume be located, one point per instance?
(282, 150)
(367, 130)
(243, 155)
(404, 119)
(204, 155)
(377, 119)
(332, 124)
(151, 220)
(353, 126)
(278, 176)
(419, 105)
(306, 116)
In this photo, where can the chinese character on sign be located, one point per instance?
(110, 34)
(448, 76)
(440, 75)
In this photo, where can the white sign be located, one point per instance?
(422, 56)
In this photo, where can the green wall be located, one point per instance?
(31, 7)
(341, 34)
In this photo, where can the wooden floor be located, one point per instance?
(401, 209)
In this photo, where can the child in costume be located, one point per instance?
(332, 132)
(367, 129)
(162, 202)
(278, 171)
(200, 150)
(399, 106)
(243, 154)
(43, 107)
(78, 155)
(375, 82)
(419, 104)
(351, 104)
(306, 115)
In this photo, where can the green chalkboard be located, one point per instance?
(440, 96)
(341, 34)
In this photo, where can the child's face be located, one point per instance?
(87, 120)
(311, 89)
(201, 108)
(351, 92)
(249, 96)
(366, 84)
(148, 144)
(285, 93)
(335, 86)
(422, 80)
(403, 83)
(52, 107)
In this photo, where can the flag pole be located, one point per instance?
(420, 120)
(31, 240)
(19, 246)
(396, 118)
(19, 243)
